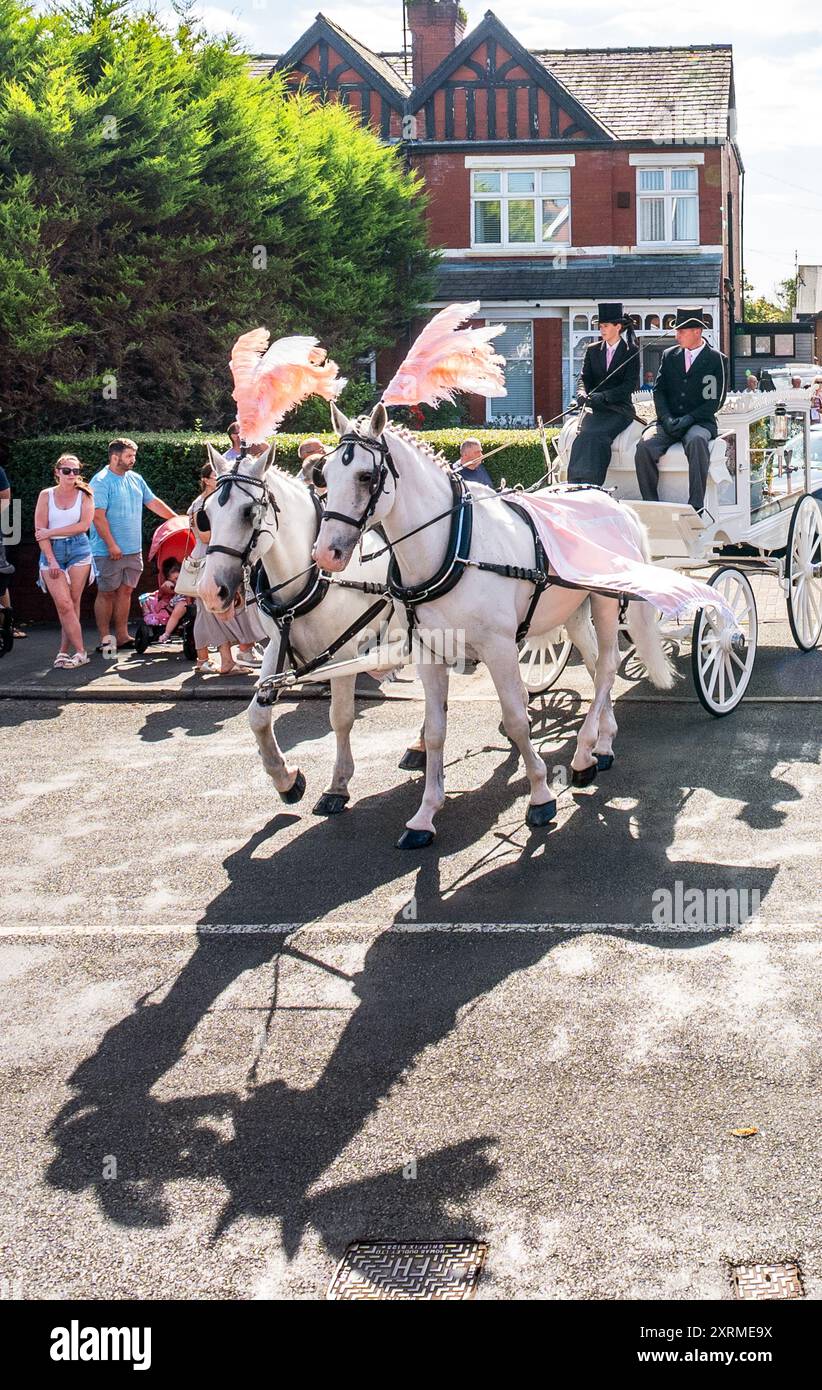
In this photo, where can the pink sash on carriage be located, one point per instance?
(585, 539)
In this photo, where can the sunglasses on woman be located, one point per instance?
(68, 471)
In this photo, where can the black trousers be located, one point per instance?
(653, 444)
(591, 449)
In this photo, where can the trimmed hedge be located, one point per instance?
(171, 463)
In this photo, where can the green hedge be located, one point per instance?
(170, 463)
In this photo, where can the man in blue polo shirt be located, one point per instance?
(117, 537)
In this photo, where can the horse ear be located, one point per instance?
(215, 457)
(378, 421)
(340, 422)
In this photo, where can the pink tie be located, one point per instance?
(609, 352)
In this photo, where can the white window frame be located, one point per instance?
(668, 196)
(516, 166)
(501, 400)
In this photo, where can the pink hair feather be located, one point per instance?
(446, 358)
(270, 381)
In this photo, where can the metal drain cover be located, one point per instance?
(767, 1281)
(415, 1269)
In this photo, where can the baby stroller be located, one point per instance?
(173, 540)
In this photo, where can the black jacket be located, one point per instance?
(699, 393)
(623, 378)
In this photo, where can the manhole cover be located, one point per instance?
(767, 1281)
(416, 1269)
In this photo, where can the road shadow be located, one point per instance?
(603, 865)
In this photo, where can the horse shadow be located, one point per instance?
(408, 995)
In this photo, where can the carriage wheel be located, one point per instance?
(722, 663)
(543, 659)
(803, 571)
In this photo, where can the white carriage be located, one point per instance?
(762, 515)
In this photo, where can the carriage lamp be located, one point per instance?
(779, 425)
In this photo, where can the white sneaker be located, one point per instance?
(79, 659)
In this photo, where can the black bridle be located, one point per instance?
(261, 502)
(381, 465)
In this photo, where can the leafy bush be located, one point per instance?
(171, 463)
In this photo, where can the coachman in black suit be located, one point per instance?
(689, 391)
(607, 406)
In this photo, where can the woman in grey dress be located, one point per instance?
(243, 629)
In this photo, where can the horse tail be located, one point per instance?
(643, 624)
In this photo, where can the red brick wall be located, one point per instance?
(596, 178)
(547, 367)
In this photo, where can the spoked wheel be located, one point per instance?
(721, 661)
(803, 571)
(543, 659)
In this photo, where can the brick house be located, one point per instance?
(556, 178)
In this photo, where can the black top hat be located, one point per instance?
(610, 313)
(690, 318)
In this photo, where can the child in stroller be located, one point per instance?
(165, 614)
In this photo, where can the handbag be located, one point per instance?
(189, 577)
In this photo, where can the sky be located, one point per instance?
(777, 65)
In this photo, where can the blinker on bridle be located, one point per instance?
(381, 465)
(243, 481)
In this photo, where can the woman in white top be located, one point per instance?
(62, 519)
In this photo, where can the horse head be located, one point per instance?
(360, 477)
(234, 518)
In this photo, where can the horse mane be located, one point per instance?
(418, 442)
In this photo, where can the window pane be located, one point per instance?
(651, 180)
(783, 345)
(762, 345)
(683, 178)
(486, 182)
(487, 223)
(515, 345)
(652, 320)
(520, 181)
(521, 220)
(555, 219)
(652, 219)
(684, 219)
(742, 344)
(556, 181)
(580, 323)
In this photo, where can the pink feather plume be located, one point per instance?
(446, 358)
(269, 381)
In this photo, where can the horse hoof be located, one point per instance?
(541, 815)
(585, 776)
(605, 762)
(296, 792)
(331, 803)
(415, 839)
(413, 760)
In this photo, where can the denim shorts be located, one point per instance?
(69, 551)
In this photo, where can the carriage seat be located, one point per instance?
(673, 468)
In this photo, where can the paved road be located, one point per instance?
(565, 1088)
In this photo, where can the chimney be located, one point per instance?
(437, 26)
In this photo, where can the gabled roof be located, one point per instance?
(385, 78)
(639, 91)
(492, 28)
(613, 93)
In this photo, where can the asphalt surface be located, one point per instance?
(194, 1106)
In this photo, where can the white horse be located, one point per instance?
(259, 512)
(384, 475)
